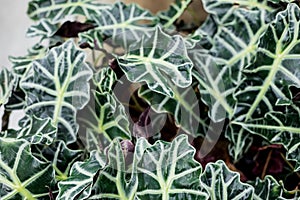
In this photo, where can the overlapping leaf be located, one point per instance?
(267, 82)
(156, 60)
(221, 183)
(269, 189)
(275, 68)
(57, 86)
(232, 34)
(240, 141)
(159, 171)
(44, 29)
(105, 80)
(214, 92)
(105, 121)
(16, 100)
(121, 24)
(81, 179)
(232, 73)
(118, 183)
(219, 7)
(59, 155)
(91, 38)
(169, 17)
(21, 64)
(246, 69)
(36, 131)
(6, 85)
(56, 10)
(22, 176)
(278, 128)
(235, 42)
(220, 11)
(168, 171)
(185, 106)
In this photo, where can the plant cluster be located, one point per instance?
(122, 103)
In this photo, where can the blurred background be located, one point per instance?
(14, 24)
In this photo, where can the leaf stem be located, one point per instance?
(185, 4)
(5, 120)
(17, 185)
(289, 164)
(61, 175)
(263, 174)
(25, 193)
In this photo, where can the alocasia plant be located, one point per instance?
(225, 97)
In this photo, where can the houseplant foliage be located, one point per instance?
(126, 123)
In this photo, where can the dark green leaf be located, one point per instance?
(157, 60)
(56, 10)
(22, 176)
(57, 86)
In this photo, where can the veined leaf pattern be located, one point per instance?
(92, 38)
(156, 172)
(121, 24)
(215, 5)
(16, 181)
(184, 106)
(44, 29)
(278, 128)
(36, 131)
(105, 80)
(275, 67)
(56, 10)
(6, 85)
(231, 34)
(245, 63)
(174, 174)
(221, 183)
(231, 72)
(269, 189)
(61, 157)
(168, 18)
(168, 171)
(157, 60)
(235, 42)
(114, 175)
(268, 79)
(80, 181)
(57, 86)
(22, 64)
(221, 10)
(106, 121)
(214, 92)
